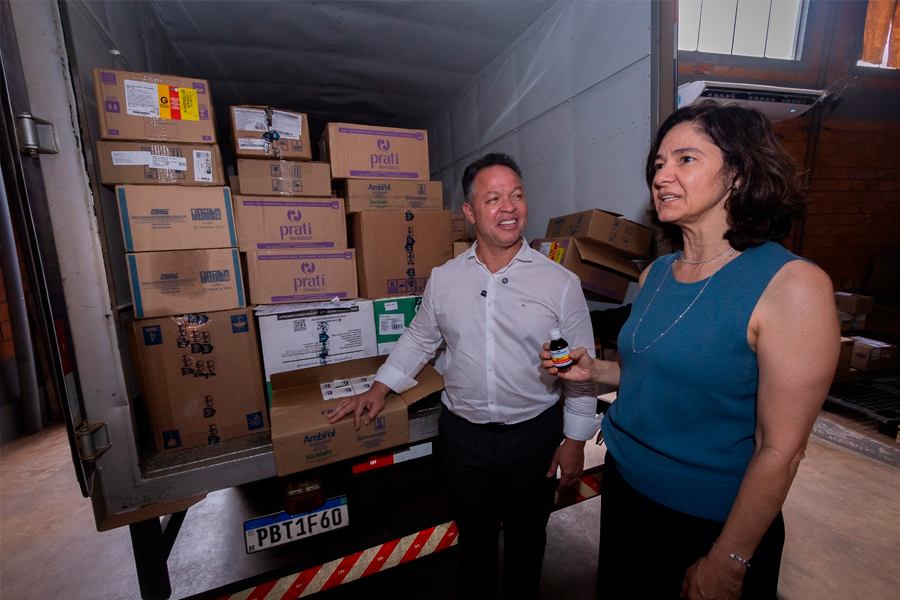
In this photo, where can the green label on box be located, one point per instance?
(393, 316)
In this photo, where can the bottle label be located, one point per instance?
(560, 357)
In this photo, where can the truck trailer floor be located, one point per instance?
(842, 517)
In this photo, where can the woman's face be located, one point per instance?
(689, 187)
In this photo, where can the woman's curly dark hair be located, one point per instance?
(766, 196)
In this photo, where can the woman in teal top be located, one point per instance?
(726, 360)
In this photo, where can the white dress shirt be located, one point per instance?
(494, 325)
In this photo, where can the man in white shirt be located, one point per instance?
(494, 306)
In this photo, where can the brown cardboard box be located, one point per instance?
(854, 303)
(146, 106)
(398, 249)
(872, 355)
(302, 437)
(365, 152)
(846, 355)
(375, 194)
(603, 229)
(250, 124)
(267, 223)
(851, 322)
(157, 217)
(283, 178)
(601, 272)
(200, 377)
(185, 281)
(460, 247)
(301, 275)
(458, 227)
(160, 163)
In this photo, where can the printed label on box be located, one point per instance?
(287, 125)
(391, 324)
(251, 144)
(130, 158)
(152, 335)
(171, 163)
(203, 166)
(248, 119)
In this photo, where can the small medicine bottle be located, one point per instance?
(559, 350)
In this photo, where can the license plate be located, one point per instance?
(274, 530)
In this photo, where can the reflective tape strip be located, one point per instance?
(353, 567)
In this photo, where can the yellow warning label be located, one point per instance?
(179, 104)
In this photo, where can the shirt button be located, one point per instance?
(490, 370)
(489, 304)
(490, 337)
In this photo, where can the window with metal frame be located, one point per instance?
(757, 28)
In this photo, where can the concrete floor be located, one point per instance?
(842, 516)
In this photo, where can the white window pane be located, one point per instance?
(688, 24)
(783, 29)
(717, 26)
(750, 27)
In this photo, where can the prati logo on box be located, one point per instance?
(292, 232)
(308, 267)
(384, 145)
(384, 160)
(294, 216)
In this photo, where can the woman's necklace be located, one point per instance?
(700, 262)
(703, 289)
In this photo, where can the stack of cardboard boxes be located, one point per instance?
(193, 332)
(858, 352)
(599, 247)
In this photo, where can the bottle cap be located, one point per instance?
(555, 334)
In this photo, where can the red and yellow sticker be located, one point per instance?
(179, 104)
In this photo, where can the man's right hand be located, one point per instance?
(372, 400)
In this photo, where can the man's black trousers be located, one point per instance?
(497, 475)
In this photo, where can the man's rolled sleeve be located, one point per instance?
(416, 346)
(580, 420)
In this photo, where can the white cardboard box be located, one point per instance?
(303, 335)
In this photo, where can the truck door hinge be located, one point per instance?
(93, 440)
(36, 136)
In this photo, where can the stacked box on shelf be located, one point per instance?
(599, 247)
(199, 381)
(852, 310)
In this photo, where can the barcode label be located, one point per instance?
(300, 325)
(203, 166)
(391, 324)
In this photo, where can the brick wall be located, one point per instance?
(854, 212)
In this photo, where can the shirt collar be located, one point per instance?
(523, 255)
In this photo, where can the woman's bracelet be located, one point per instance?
(743, 561)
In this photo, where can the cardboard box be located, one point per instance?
(364, 152)
(375, 194)
(604, 229)
(846, 355)
(200, 377)
(175, 218)
(872, 355)
(160, 163)
(263, 132)
(302, 437)
(300, 336)
(185, 281)
(851, 322)
(283, 178)
(301, 275)
(266, 223)
(601, 272)
(398, 249)
(392, 317)
(460, 247)
(854, 303)
(458, 227)
(146, 106)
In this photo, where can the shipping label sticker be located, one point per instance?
(141, 99)
(248, 119)
(130, 158)
(287, 125)
(391, 324)
(203, 166)
(391, 306)
(251, 144)
(169, 163)
(178, 104)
